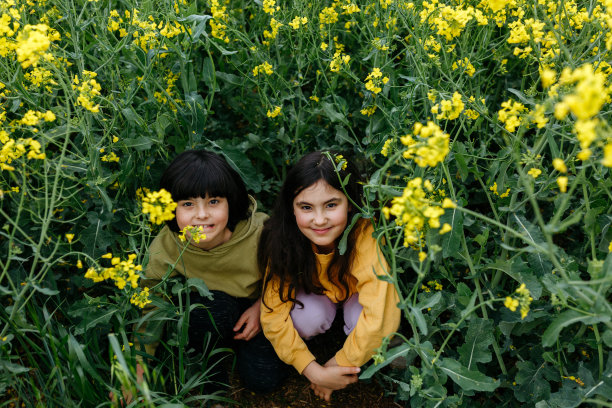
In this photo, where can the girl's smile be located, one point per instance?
(210, 213)
(321, 214)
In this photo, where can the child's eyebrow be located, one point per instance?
(331, 200)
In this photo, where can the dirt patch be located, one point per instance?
(296, 393)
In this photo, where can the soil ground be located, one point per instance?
(296, 393)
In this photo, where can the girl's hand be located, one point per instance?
(328, 378)
(249, 323)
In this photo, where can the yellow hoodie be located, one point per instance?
(380, 315)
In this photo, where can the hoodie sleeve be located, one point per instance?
(278, 328)
(380, 315)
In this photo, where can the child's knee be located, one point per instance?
(316, 317)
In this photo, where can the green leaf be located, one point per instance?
(342, 135)
(477, 341)
(567, 318)
(430, 301)
(239, 162)
(467, 379)
(451, 240)
(45, 291)
(140, 144)
(461, 159)
(532, 381)
(347, 231)
(607, 338)
(537, 260)
(12, 368)
(200, 286)
(330, 111)
(390, 355)
(419, 320)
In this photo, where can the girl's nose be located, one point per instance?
(320, 218)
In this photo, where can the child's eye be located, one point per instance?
(187, 204)
(306, 208)
(331, 205)
(214, 201)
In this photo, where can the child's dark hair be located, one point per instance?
(285, 252)
(195, 173)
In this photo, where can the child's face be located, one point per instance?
(211, 213)
(321, 214)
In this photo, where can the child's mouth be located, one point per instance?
(321, 231)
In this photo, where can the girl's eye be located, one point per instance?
(214, 201)
(187, 204)
(331, 205)
(306, 208)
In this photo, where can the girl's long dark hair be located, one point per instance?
(285, 252)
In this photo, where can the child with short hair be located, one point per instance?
(307, 278)
(212, 196)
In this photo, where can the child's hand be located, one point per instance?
(249, 323)
(326, 379)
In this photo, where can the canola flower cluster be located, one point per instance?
(13, 150)
(374, 80)
(159, 205)
(591, 91)
(147, 34)
(413, 210)
(141, 298)
(521, 301)
(33, 43)
(430, 146)
(88, 89)
(218, 23)
(122, 273)
(170, 95)
(193, 233)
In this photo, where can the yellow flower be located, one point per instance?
(547, 76)
(562, 183)
(69, 238)
(448, 203)
(193, 233)
(32, 44)
(534, 172)
(341, 160)
(445, 228)
(385, 149)
(159, 206)
(269, 6)
(79, 264)
(265, 68)
(610, 247)
(607, 152)
(297, 22)
(511, 303)
(369, 111)
(141, 298)
(422, 256)
(584, 154)
(559, 165)
(274, 113)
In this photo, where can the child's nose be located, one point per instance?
(202, 211)
(320, 217)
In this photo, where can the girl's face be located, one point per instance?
(321, 214)
(211, 213)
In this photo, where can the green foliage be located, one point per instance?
(172, 75)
